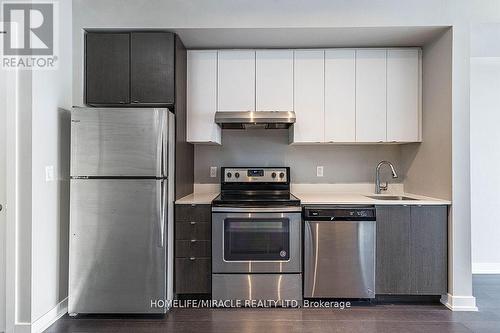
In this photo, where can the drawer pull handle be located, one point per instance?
(192, 222)
(193, 240)
(192, 258)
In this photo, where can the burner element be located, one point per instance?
(256, 187)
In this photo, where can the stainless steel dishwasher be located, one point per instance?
(339, 252)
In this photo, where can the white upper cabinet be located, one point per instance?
(403, 95)
(236, 82)
(202, 97)
(309, 93)
(274, 80)
(371, 104)
(340, 95)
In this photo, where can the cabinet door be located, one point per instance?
(340, 96)
(193, 275)
(403, 94)
(371, 95)
(193, 213)
(309, 92)
(392, 250)
(152, 68)
(202, 97)
(107, 68)
(274, 80)
(236, 80)
(428, 250)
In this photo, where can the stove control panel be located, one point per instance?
(255, 175)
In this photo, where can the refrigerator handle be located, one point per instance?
(161, 197)
(164, 142)
(159, 142)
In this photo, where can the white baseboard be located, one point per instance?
(22, 328)
(486, 268)
(42, 323)
(459, 303)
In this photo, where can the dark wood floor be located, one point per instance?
(367, 318)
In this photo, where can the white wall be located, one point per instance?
(3, 193)
(51, 102)
(485, 152)
(37, 243)
(23, 202)
(327, 13)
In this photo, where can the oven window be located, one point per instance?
(256, 239)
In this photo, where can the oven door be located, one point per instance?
(256, 242)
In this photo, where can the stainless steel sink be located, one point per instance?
(389, 197)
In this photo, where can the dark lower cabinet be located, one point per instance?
(193, 249)
(192, 231)
(412, 250)
(429, 250)
(190, 213)
(193, 275)
(392, 250)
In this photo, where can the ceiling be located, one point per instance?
(200, 38)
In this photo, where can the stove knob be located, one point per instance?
(273, 175)
(228, 175)
(282, 174)
(237, 175)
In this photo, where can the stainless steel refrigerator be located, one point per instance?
(121, 214)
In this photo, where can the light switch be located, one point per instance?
(319, 171)
(49, 173)
(213, 172)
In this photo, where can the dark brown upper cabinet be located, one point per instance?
(130, 69)
(107, 68)
(152, 68)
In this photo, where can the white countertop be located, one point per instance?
(197, 198)
(335, 198)
(203, 194)
(322, 194)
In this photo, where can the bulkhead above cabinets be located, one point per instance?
(362, 95)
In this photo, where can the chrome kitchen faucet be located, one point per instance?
(378, 186)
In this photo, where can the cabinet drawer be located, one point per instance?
(193, 276)
(192, 230)
(190, 248)
(193, 213)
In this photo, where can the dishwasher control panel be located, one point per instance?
(325, 213)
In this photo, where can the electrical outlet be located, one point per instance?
(319, 171)
(49, 173)
(213, 172)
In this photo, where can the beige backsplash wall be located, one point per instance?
(342, 163)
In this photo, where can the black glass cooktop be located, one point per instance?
(256, 198)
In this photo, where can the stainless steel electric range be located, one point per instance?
(256, 236)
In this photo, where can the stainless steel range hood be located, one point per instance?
(255, 119)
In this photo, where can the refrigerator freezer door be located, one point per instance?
(117, 142)
(117, 245)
